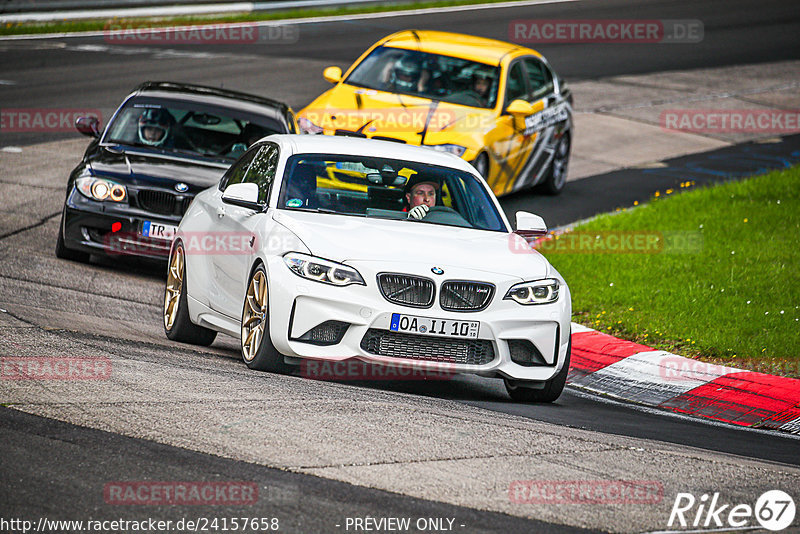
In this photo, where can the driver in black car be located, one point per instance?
(420, 196)
(155, 125)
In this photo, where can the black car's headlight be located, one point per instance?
(101, 189)
(320, 270)
(536, 292)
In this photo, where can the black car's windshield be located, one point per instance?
(188, 128)
(388, 189)
(433, 76)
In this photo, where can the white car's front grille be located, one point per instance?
(465, 296)
(429, 348)
(406, 290)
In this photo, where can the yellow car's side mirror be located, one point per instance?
(332, 74)
(520, 109)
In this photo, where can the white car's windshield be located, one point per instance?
(433, 76)
(389, 189)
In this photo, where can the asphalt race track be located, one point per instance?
(323, 451)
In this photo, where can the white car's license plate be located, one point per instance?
(158, 230)
(412, 324)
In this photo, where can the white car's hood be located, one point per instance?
(357, 239)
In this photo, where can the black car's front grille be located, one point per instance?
(406, 290)
(465, 296)
(163, 202)
(428, 348)
(157, 201)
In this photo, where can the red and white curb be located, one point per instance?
(637, 373)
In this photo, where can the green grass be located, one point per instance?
(732, 296)
(100, 24)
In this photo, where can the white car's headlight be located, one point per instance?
(308, 127)
(100, 189)
(536, 292)
(320, 270)
(458, 150)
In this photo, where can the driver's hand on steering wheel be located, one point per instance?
(418, 212)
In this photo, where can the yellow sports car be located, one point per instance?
(497, 105)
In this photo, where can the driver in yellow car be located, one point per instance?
(420, 196)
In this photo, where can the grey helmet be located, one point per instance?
(406, 74)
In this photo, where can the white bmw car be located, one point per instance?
(314, 248)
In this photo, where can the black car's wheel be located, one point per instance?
(557, 175)
(550, 392)
(177, 324)
(67, 253)
(258, 352)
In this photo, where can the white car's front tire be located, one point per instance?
(258, 352)
(551, 391)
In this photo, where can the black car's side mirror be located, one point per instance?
(88, 126)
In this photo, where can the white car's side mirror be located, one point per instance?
(243, 194)
(529, 224)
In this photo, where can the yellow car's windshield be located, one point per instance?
(445, 78)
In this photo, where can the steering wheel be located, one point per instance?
(475, 97)
(445, 215)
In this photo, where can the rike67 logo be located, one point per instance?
(774, 510)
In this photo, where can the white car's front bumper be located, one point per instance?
(298, 306)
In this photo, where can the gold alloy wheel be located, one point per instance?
(172, 295)
(254, 317)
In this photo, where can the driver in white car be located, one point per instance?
(420, 196)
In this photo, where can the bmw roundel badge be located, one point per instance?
(437, 270)
(181, 187)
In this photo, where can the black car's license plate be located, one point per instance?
(412, 324)
(158, 230)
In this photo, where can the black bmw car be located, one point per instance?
(165, 143)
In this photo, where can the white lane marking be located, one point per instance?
(308, 20)
(8, 82)
(11, 150)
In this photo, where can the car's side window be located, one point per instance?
(539, 77)
(237, 172)
(262, 171)
(515, 86)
